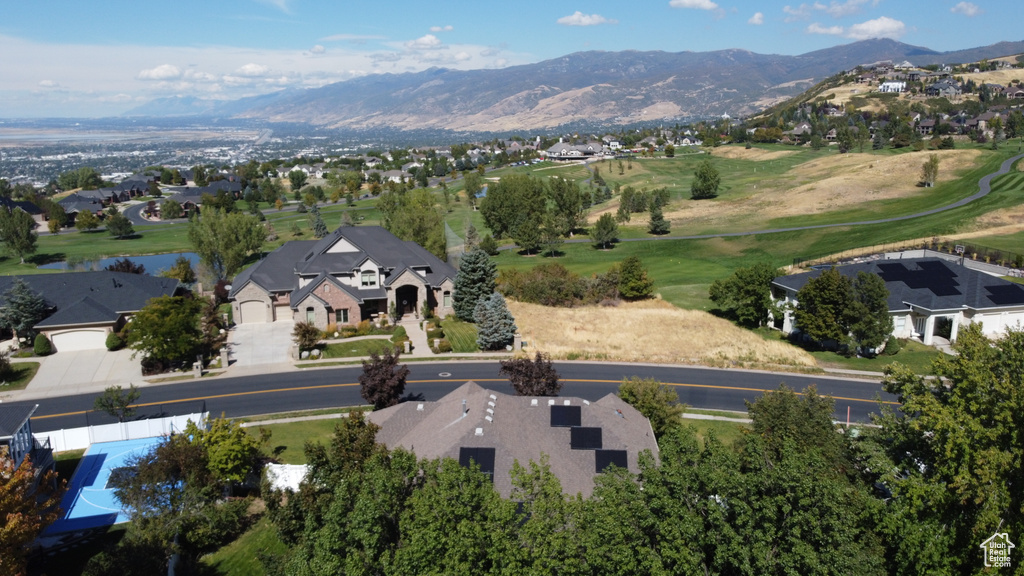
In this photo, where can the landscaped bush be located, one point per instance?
(364, 328)
(42, 346)
(349, 331)
(330, 330)
(892, 346)
(151, 366)
(443, 346)
(7, 371)
(399, 336)
(435, 332)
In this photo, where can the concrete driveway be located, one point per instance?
(85, 371)
(256, 344)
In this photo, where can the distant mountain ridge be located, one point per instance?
(607, 87)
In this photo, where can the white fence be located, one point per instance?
(80, 438)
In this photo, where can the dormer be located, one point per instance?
(342, 246)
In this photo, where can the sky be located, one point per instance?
(75, 58)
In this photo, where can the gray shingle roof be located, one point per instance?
(276, 272)
(13, 417)
(519, 431)
(91, 297)
(928, 283)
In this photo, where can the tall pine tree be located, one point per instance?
(658, 225)
(475, 282)
(496, 328)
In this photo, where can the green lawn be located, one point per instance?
(355, 348)
(240, 558)
(728, 433)
(462, 335)
(23, 372)
(289, 438)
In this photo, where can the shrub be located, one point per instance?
(348, 331)
(114, 341)
(443, 346)
(363, 328)
(7, 371)
(435, 332)
(151, 366)
(892, 346)
(330, 330)
(306, 335)
(42, 346)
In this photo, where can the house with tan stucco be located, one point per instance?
(356, 273)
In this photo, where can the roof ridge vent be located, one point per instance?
(479, 432)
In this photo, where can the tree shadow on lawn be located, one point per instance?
(44, 259)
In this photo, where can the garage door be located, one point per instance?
(253, 312)
(95, 339)
(283, 313)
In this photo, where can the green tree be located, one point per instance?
(382, 381)
(489, 245)
(953, 455)
(605, 231)
(527, 234)
(657, 402)
(415, 216)
(57, 217)
(167, 330)
(119, 226)
(200, 176)
(496, 328)
(634, 284)
(566, 204)
(118, 402)
(705, 181)
(658, 225)
(670, 151)
(181, 270)
(297, 178)
(316, 222)
(535, 377)
(170, 210)
(224, 240)
(746, 295)
(871, 323)
(474, 282)
(22, 309)
(823, 309)
(232, 453)
(472, 183)
(930, 171)
(86, 221)
(17, 232)
(511, 201)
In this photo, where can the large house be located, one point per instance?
(356, 273)
(472, 424)
(86, 306)
(924, 294)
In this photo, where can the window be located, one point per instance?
(369, 278)
(341, 316)
(310, 315)
(447, 299)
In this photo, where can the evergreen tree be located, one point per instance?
(496, 328)
(705, 181)
(472, 237)
(316, 222)
(474, 282)
(823, 309)
(21, 309)
(17, 232)
(658, 225)
(746, 295)
(489, 245)
(871, 323)
(634, 283)
(119, 226)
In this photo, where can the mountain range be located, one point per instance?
(602, 87)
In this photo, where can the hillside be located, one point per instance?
(597, 87)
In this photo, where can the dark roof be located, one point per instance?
(24, 205)
(928, 283)
(93, 297)
(359, 295)
(276, 271)
(385, 249)
(520, 429)
(77, 203)
(12, 418)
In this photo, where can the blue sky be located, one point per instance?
(81, 58)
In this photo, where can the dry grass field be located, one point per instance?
(752, 154)
(650, 331)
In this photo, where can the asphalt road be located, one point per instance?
(321, 388)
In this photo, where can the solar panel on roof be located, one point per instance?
(585, 438)
(1005, 295)
(484, 458)
(605, 458)
(566, 416)
(935, 277)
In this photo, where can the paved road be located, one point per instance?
(309, 389)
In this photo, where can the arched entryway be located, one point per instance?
(406, 299)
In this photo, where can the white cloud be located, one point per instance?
(848, 8)
(801, 12)
(462, 57)
(161, 72)
(834, 9)
(49, 84)
(282, 5)
(354, 38)
(580, 19)
(318, 49)
(757, 19)
(428, 42)
(698, 4)
(251, 70)
(816, 28)
(447, 28)
(883, 27)
(966, 8)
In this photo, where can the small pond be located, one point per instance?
(153, 263)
